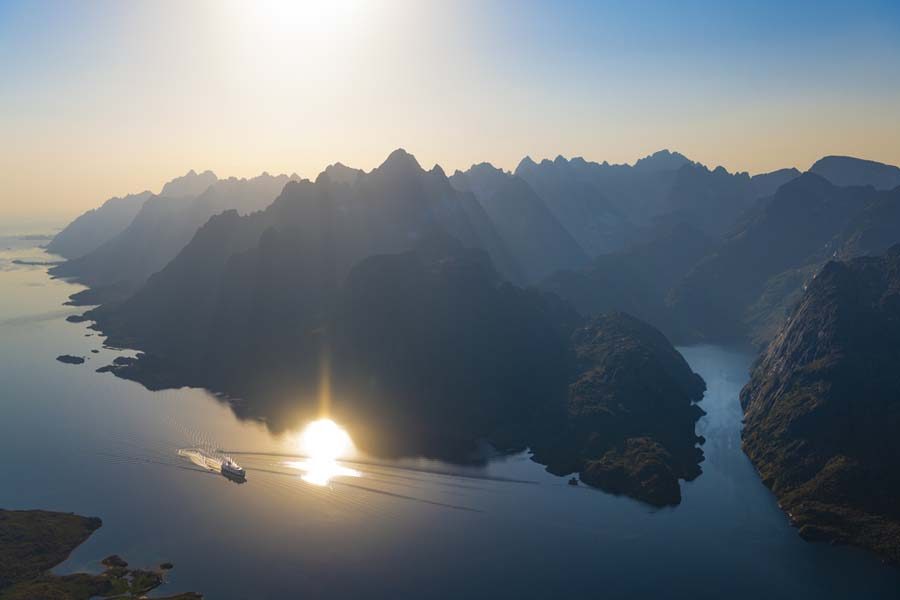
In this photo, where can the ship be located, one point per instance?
(232, 470)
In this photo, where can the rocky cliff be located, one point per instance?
(822, 409)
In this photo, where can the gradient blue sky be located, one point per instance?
(103, 98)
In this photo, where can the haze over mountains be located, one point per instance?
(484, 305)
(97, 225)
(747, 286)
(165, 223)
(702, 254)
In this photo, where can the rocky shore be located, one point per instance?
(32, 542)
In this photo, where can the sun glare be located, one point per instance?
(289, 42)
(323, 442)
(306, 17)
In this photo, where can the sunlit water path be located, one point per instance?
(76, 440)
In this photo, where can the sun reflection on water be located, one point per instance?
(321, 472)
(323, 442)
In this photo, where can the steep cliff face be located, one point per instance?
(631, 412)
(822, 409)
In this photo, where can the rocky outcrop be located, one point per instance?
(630, 413)
(822, 409)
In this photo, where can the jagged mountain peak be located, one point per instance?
(341, 173)
(400, 159)
(525, 164)
(663, 160)
(485, 167)
(189, 184)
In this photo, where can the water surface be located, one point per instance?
(75, 440)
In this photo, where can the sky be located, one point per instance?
(99, 99)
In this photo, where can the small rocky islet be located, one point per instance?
(70, 359)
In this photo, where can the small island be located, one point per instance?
(32, 542)
(70, 359)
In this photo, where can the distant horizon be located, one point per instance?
(101, 98)
(59, 219)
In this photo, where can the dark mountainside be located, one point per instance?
(637, 280)
(431, 342)
(329, 224)
(579, 205)
(610, 207)
(847, 171)
(766, 184)
(637, 191)
(430, 351)
(711, 200)
(537, 241)
(516, 367)
(368, 280)
(746, 286)
(630, 413)
(163, 226)
(822, 409)
(97, 226)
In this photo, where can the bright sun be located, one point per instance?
(301, 17)
(324, 440)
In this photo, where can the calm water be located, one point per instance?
(75, 440)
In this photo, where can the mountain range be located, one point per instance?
(531, 308)
(747, 285)
(165, 224)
